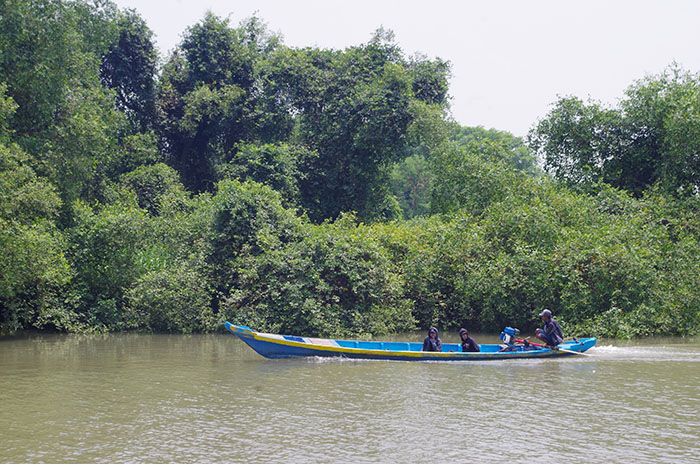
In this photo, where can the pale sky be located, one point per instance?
(510, 59)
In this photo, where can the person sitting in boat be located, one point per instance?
(468, 343)
(551, 334)
(432, 342)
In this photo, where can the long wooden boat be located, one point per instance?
(275, 346)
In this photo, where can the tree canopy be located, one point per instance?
(324, 191)
(650, 139)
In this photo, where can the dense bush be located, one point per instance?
(107, 253)
(335, 279)
(152, 184)
(34, 273)
(546, 247)
(175, 299)
(324, 192)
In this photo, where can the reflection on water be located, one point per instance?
(209, 398)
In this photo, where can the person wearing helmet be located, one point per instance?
(468, 343)
(551, 334)
(432, 342)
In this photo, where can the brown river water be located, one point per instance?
(209, 398)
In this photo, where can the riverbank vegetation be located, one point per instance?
(324, 192)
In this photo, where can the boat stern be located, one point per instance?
(580, 345)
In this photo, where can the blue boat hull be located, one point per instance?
(273, 346)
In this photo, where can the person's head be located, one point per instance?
(463, 334)
(546, 315)
(433, 332)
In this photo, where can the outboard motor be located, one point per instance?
(508, 335)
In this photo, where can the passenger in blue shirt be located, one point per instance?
(551, 334)
(432, 342)
(468, 343)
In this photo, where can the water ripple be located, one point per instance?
(209, 399)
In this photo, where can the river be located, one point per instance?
(209, 398)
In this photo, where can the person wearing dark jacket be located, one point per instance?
(432, 342)
(551, 334)
(468, 343)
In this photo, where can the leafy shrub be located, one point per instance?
(335, 280)
(176, 299)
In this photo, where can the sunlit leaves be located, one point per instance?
(650, 139)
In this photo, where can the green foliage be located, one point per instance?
(464, 179)
(429, 128)
(362, 123)
(135, 150)
(410, 183)
(602, 265)
(577, 140)
(354, 108)
(411, 177)
(83, 153)
(50, 54)
(42, 30)
(176, 299)
(207, 101)
(430, 79)
(651, 138)
(205, 123)
(129, 67)
(24, 197)
(49, 48)
(33, 270)
(453, 167)
(663, 112)
(280, 166)
(223, 189)
(248, 219)
(218, 54)
(108, 255)
(335, 280)
(8, 107)
(34, 278)
(497, 146)
(151, 184)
